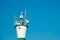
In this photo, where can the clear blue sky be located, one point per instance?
(44, 18)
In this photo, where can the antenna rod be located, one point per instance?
(25, 16)
(25, 13)
(21, 13)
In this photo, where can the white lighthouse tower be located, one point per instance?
(21, 27)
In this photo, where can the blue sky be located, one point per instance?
(44, 16)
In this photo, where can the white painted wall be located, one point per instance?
(21, 31)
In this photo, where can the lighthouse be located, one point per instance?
(21, 26)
